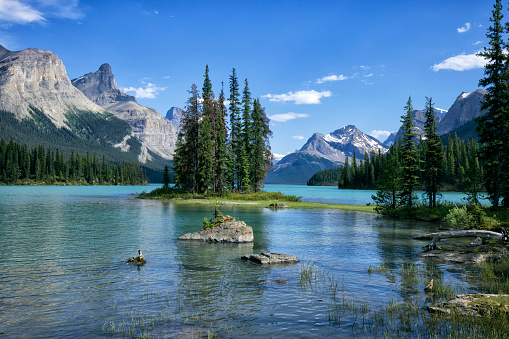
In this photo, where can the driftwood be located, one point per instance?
(505, 235)
(463, 233)
(433, 244)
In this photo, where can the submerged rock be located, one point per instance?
(138, 260)
(271, 258)
(231, 231)
(276, 205)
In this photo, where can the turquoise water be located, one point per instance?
(332, 194)
(63, 271)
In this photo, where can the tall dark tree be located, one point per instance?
(166, 177)
(185, 162)
(388, 183)
(220, 148)
(235, 127)
(492, 128)
(205, 156)
(432, 156)
(408, 153)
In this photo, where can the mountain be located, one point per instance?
(156, 133)
(39, 105)
(465, 108)
(174, 115)
(390, 139)
(418, 119)
(323, 151)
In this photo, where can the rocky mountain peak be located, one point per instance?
(101, 86)
(36, 78)
(174, 114)
(465, 108)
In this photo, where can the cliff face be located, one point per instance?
(38, 78)
(156, 133)
(465, 108)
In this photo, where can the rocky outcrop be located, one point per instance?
(174, 115)
(419, 119)
(38, 78)
(231, 231)
(473, 305)
(465, 108)
(271, 258)
(155, 132)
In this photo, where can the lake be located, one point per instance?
(64, 273)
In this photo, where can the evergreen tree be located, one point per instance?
(433, 155)
(205, 156)
(221, 157)
(492, 128)
(166, 177)
(408, 153)
(185, 162)
(388, 183)
(235, 127)
(258, 160)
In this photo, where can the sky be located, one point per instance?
(315, 65)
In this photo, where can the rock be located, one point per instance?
(231, 231)
(138, 260)
(276, 205)
(156, 133)
(477, 242)
(271, 258)
(473, 305)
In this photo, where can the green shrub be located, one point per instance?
(459, 217)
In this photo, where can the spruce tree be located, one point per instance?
(220, 148)
(258, 161)
(205, 156)
(388, 183)
(408, 153)
(235, 127)
(492, 128)
(166, 177)
(432, 156)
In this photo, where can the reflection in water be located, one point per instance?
(63, 271)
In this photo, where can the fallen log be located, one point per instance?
(462, 233)
(433, 244)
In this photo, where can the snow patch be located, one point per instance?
(464, 95)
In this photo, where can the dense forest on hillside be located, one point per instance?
(21, 165)
(458, 159)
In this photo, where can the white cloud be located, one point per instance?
(284, 117)
(300, 97)
(461, 62)
(332, 77)
(298, 137)
(379, 133)
(464, 28)
(368, 75)
(149, 92)
(14, 11)
(477, 43)
(166, 77)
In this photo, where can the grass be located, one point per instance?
(258, 199)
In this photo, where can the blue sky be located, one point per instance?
(315, 65)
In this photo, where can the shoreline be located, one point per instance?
(265, 204)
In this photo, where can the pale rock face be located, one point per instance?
(465, 108)
(155, 132)
(38, 78)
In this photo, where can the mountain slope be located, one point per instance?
(155, 132)
(323, 151)
(465, 108)
(39, 105)
(418, 119)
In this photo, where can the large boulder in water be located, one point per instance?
(230, 231)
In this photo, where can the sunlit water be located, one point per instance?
(63, 271)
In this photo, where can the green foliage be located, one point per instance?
(459, 217)
(433, 155)
(21, 165)
(409, 160)
(328, 177)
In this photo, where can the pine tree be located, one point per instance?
(185, 162)
(166, 177)
(205, 156)
(258, 161)
(235, 127)
(492, 128)
(388, 183)
(220, 159)
(247, 136)
(433, 155)
(408, 153)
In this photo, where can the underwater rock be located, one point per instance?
(231, 231)
(271, 258)
(276, 205)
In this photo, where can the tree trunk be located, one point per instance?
(459, 234)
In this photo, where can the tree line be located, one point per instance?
(19, 163)
(214, 155)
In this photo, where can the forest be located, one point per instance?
(20, 164)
